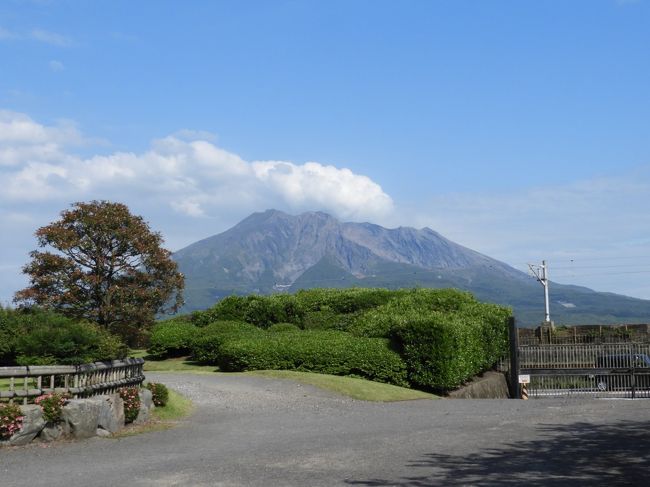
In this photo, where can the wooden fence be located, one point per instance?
(25, 383)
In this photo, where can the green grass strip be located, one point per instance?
(353, 387)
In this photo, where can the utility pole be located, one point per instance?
(541, 273)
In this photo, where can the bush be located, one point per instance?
(342, 301)
(52, 405)
(408, 305)
(15, 323)
(66, 342)
(283, 328)
(11, 420)
(444, 335)
(326, 352)
(444, 350)
(229, 308)
(159, 393)
(206, 347)
(172, 338)
(131, 398)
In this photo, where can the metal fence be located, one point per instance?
(612, 370)
(26, 383)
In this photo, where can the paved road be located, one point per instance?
(249, 431)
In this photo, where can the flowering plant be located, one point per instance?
(131, 398)
(11, 420)
(52, 405)
(159, 393)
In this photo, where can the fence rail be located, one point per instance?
(576, 356)
(596, 370)
(85, 380)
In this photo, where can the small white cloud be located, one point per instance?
(188, 207)
(56, 65)
(51, 38)
(6, 34)
(315, 185)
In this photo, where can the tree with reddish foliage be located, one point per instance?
(107, 267)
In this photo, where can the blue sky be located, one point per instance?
(519, 129)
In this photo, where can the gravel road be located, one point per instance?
(250, 431)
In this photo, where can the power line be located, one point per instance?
(604, 274)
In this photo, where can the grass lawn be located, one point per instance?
(353, 387)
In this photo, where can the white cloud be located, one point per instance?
(189, 175)
(6, 34)
(51, 38)
(56, 66)
(325, 186)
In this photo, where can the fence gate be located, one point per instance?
(611, 370)
(603, 370)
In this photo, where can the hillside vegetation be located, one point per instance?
(431, 339)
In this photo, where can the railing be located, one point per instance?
(576, 356)
(609, 370)
(85, 380)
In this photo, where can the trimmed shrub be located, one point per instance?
(326, 352)
(67, 343)
(206, 347)
(444, 350)
(229, 308)
(342, 301)
(33, 336)
(172, 338)
(284, 328)
(445, 336)
(159, 393)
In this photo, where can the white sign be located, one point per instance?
(524, 378)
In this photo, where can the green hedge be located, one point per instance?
(284, 328)
(326, 352)
(172, 338)
(33, 336)
(68, 344)
(443, 350)
(307, 309)
(206, 348)
(445, 336)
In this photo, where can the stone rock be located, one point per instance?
(33, 423)
(146, 404)
(54, 431)
(83, 417)
(111, 412)
(101, 432)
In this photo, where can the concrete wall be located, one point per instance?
(490, 385)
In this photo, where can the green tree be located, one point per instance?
(103, 264)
